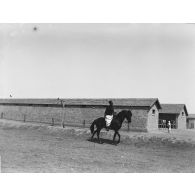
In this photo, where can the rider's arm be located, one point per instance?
(105, 112)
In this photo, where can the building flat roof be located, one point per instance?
(134, 102)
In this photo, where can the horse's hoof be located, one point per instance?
(100, 142)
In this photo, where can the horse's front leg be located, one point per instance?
(119, 137)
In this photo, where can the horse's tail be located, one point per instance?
(92, 127)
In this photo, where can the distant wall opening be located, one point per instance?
(164, 118)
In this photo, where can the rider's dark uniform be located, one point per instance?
(109, 111)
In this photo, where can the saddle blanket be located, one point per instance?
(108, 120)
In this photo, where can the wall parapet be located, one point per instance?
(74, 106)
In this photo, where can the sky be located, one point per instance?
(98, 61)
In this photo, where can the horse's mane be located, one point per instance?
(121, 113)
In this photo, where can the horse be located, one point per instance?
(115, 125)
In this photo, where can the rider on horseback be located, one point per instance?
(108, 115)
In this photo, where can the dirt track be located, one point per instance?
(26, 148)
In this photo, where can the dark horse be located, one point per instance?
(115, 125)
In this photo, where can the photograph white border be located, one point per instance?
(101, 11)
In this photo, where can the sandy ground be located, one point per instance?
(39, 148)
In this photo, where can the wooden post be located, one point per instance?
(128, 125)
(83, 123)
(63, 110)
(2, 115)
(62, 102)
(24, 118)
(52, 122)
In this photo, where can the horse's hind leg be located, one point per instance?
(93, 134)
(114, 137)
(119, 137)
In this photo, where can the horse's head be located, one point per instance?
(128, 115)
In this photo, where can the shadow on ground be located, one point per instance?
(102, 141)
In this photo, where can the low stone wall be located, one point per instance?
(73, 116)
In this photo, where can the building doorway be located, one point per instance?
(164, 118)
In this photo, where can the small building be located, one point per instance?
(175, 113)
(191, 121)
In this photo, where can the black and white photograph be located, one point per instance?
(97, 98)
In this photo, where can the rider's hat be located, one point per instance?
(110, 102)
